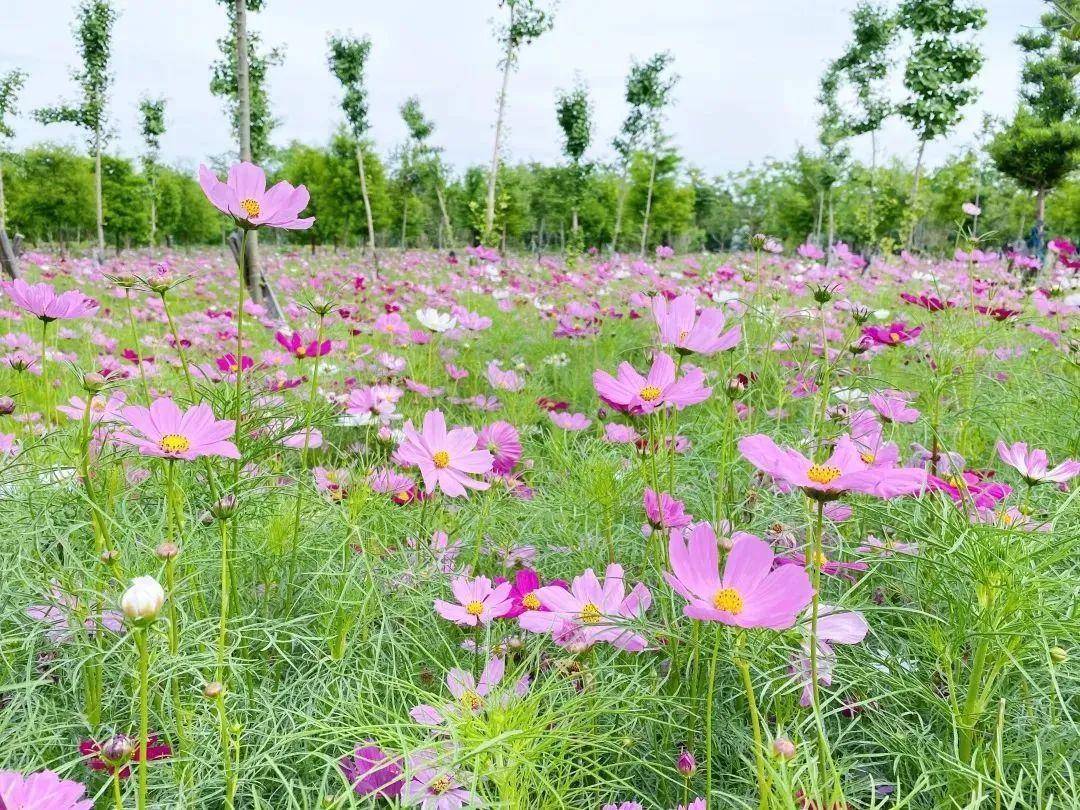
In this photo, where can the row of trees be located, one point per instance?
(413, 202)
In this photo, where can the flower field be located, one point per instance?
(483, 530)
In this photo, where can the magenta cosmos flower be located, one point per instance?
(41, 791)
(682, 328)
(41, 301)
(895, 334)
(300, 348)
(631, 392)
(1033, 464)
(163, 430)
(372, 773)
(590, 611)
(246, 199)
(478, 603)
(749, 593)
(844, 471)
(502, 440)
(523, 596)
(446, 459)
(665, 512)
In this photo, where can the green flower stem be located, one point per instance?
(755, 723)
(144, 709)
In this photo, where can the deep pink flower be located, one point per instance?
(246, 199)
(632, 392)
(845, 470)
(42, 301)
(1033, 464)
(970, 486)
(301, 348)
(686, 331)
(447, 459)
(478, 602)
(92, 751)
(750, 593)
(927, 301)
(41, 791)
(665, 512)
(501, 439)
(163, 430)
(895, 334)
(590, 612)
(523, 592)
(372, 773)
(227, 363)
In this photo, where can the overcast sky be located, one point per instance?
(749, 72)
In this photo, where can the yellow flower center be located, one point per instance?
(1006, 518)
(823, 474)
(174, 444)
(441, 785)
(97, 405)
(471, 700)
(251, 207)
(894, 337)
(729, 600)
(821, 561)
(233, 367)
(650, 393)
(868, 458)
(590, 614)
(682, 335)
(474, 608)
(441, 459)
(530, 602)
(301, 351)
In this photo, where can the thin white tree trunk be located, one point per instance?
(915, 194)
(364, 194)
(493, 171)
(620, 204)
(98, 202)
(648, 204)
(252, 273)
(445, 217)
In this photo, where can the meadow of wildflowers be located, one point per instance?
(700, 532)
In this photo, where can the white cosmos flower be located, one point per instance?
(143, 599)
(436, 321)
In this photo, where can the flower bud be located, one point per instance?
(225, 508)
(118, 749)
(7, 406)
(686, 763)
(213, 690)
(1059, 655)
(109, 556)
(142, 600)
(93, 382)
(167, 551)
(783, 748)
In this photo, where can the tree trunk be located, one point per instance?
(832, 230)
(449, 231)
(573, 222)
(819, 217)
(405, 224)
(648, 205)
(915, 195)
(489, 214)
(7, 252)
(873, 190)
(153, 221)
(99, 206)
(367, 203)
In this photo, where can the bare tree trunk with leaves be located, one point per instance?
(915, 196)
(489, 214)
(98, 202)
(7, 252)
(873, 191)
(832, 230)
(648, 205)
(405, 223)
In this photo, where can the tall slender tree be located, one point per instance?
(152, 127)
(348, 59)
(648, 91)
(1040, 147)
(10, 85)
(526, 21)
(413, 155)
(938, 73)
(94, 35)
(574, 114)
(239, 78)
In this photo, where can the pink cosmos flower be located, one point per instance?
(41, 791)
(523, 596)
(246, 199)
(372, 773)
(386, 481)
(893, 407)
(440, 553)
(635, 394)
(620, 434)
(446, 459)
(227, 363)
(895, 334)
(478, 602)
(834, 627)
(968, 485)
(504, 380)
(101, 409)
(664, 512)
(61, 613)
(749, 593)
(570, 421)
(434, 788)
(1033, 464)
(300, 348)
(163, 430)
(687, 332)
(501, 439)
(42, 301)
(845, 470)
(469, 693)
(927, 301)
(590, 612)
